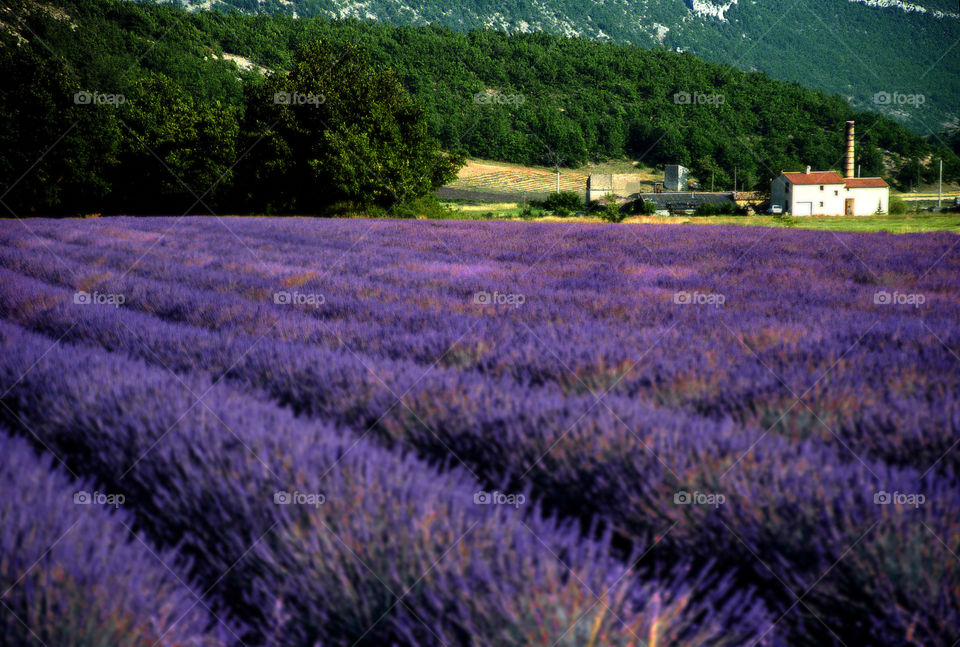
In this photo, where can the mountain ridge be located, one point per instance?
(854, 48)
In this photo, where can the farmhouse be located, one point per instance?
(826, 193)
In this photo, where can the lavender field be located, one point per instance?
(295, 432)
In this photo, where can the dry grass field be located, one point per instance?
(536, 181)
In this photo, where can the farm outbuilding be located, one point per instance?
(683, 203)
(676, 178)
(621, 186)
(866, 196)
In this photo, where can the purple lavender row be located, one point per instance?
(311, 543)
(850, 355)
(897, 428)
(395, 283)
(790, 510)
(911, 420)
(73, 574)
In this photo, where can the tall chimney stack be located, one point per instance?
(848, 157)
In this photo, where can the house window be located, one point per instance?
(836, 193)
(821, 204)
(787, 190)
(821, 187)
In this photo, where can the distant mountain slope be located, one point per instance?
(899, 57)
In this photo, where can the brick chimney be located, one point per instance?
(848, 156)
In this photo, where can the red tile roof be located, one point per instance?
(864, 182)
(815, 177)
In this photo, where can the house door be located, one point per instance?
(803, 208)
(848, 207)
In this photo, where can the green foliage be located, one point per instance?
(914, 173)
(54, 152)
(712, 209)
(897, 205)
(564, 203)
(638, 207)
(180, 151)
(870, 58)
(337, 128)
(611, 211)
(428, 207)
(784, 220)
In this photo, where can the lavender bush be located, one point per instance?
(73, 575)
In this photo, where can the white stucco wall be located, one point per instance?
(867, 199)
(825, 202)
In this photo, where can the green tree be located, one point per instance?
(56, 149)
(610, 210)
(176, 151)
(338, 128)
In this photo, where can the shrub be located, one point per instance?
(612, 213)
(638, 207)
(428, 206)
(502, 400)
(206, 478)
(564, 203)
(609, 210)
(897, 206)
(717, 209)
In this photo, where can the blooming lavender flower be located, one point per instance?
(73, 574)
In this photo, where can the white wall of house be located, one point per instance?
(815, 199)
(866, 200)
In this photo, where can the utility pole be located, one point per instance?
(557, 161)
(712, 173)
(734, 179)
(940, 186)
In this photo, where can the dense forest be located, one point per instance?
(118, 106)
(842, 47)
